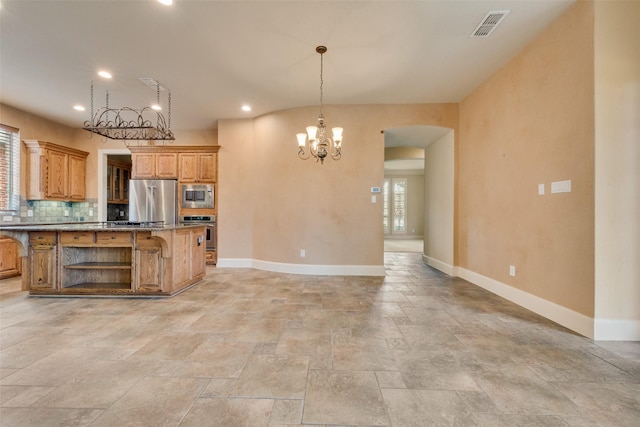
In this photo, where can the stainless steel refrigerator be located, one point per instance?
(153, 200)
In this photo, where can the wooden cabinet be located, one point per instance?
(55, 172)
(198, 245)
(149, 264)
(96, 262)
(118, 175)
(42, 262)
(10, 262)
(147, 164)
(197, 167)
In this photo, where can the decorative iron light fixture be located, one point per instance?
(320, 145)
(130, 124)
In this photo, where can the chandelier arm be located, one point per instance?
(302, 154)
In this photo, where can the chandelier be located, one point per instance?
(320, 145)
(127, 123)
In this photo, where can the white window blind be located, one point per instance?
(9, 169)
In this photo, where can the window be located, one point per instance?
(9, 169)
(395, 205)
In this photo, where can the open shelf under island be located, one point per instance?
(97, 259)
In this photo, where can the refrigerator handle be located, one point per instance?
(151, 198)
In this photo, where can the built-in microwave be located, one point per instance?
(196, 195)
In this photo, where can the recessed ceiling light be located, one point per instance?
(78, 107)
(246, 108)
(166, 2)
(104, 74)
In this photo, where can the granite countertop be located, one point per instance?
(92, 226)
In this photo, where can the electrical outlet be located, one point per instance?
(66, 212)
(90, 212)
(29, 213)
(302, 253)
(512, 270)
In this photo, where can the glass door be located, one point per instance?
(395, 206)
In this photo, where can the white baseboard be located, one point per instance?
(439, 265)
(309, 269)
(568, 318)
(617, 330)
(234, 263)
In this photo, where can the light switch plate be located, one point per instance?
(374, 199)
(540, 189)
(561, 186)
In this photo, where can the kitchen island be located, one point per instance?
(103, 259)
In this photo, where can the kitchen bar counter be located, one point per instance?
(88, 226)
(105, 259)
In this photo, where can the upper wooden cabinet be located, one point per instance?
(55, 172)
(153, 163)
(197, 167)
(118, 175)
(181, 162)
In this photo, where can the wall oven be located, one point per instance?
(209, 221)
(197, 196)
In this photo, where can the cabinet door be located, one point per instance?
(125, 184)
(207, 165)
(143, 165)
(109, 184)
(198, 244)
(9, 259)
(167, 165)
(57, 167)
(117, 183)
(188, 169)
(42, 266)
(148, 267)
(77, 178)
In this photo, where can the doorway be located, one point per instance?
(429, 152)
(105, 179)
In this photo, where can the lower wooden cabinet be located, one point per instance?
(149, 264)
(42, 268)
(10, 262)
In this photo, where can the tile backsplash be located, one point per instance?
(45, 211)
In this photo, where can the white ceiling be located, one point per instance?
(215, 56)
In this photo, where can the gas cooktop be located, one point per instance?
(134, 223)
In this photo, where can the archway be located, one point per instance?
(439, 167)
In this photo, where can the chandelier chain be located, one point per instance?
(321, 82)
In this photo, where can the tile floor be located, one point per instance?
(254, 348)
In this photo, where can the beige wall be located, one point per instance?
(324, 209)
(532, 122)
(439, 173)
(617, 151)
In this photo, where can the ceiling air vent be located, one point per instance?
(152, 83)
(489, 23)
